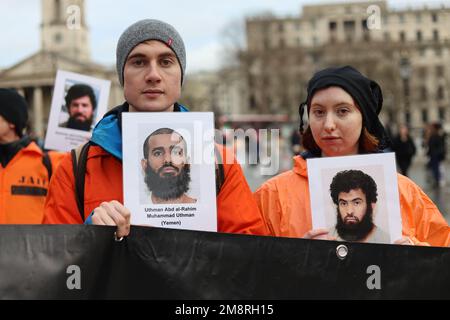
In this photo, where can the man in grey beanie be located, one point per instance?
(151, 64)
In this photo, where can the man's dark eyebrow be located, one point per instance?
(136, 55)
(168, 54)
(158, 149)
(358, 198)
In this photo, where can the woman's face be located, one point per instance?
(335, 122)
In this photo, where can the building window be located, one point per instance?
(441, 112)
(434, 17)
(280, 27)
(408, 118)
(387, 36)
(419, 36)
(313, 24)
(424, 115)
(440, 71)
(422, 52)
(440, 93)
(315, 41)
(402, 36)
(423, 93)
(57, 11)
(422, 72)
(391, 116)
(401, 18)
(349, 26)
(364, 25)
(252, 102)
(281, 43)
(418, 17)
(435, 35)
(333, 25)
(438, 52)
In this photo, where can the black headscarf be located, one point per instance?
(366, 93)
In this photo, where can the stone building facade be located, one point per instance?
(407, 51)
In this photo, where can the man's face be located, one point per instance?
(167, 173)
(167, 154)
(81, 109)
(6, 130)
(352, 206)
(152, 77)
(354, 216)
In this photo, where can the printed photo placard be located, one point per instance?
(78, 103)
(169, 169)
(356, 197)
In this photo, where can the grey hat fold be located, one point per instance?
(144, 30)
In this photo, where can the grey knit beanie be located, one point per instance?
(149, 29)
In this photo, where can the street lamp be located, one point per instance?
(405, 74)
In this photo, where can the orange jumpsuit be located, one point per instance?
(23, 186)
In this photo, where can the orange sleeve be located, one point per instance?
(268, 203)
(60, 204)
(421, 219)
(237, 211)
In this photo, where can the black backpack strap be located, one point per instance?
(48, 165)
(220, 173)
(79, 160)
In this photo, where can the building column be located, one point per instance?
(37, 112)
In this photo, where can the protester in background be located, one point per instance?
(25, 169)
(151, 63)
(404, 148)
(343, 107)
(436, 152)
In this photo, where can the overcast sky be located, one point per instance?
(200, 22)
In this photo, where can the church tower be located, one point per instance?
(64, 30)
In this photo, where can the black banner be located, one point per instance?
(84, 262)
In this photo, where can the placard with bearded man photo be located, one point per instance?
(355, 197)
(169, 170)
(78, 103)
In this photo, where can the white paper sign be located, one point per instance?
(78, 103)
(169, 169)
(365, 193)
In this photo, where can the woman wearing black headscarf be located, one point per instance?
(343, 107)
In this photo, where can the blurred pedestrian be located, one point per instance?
(436, 152)
(404, 148)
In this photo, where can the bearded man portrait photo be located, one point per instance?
(354, 193)
(166, 168)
